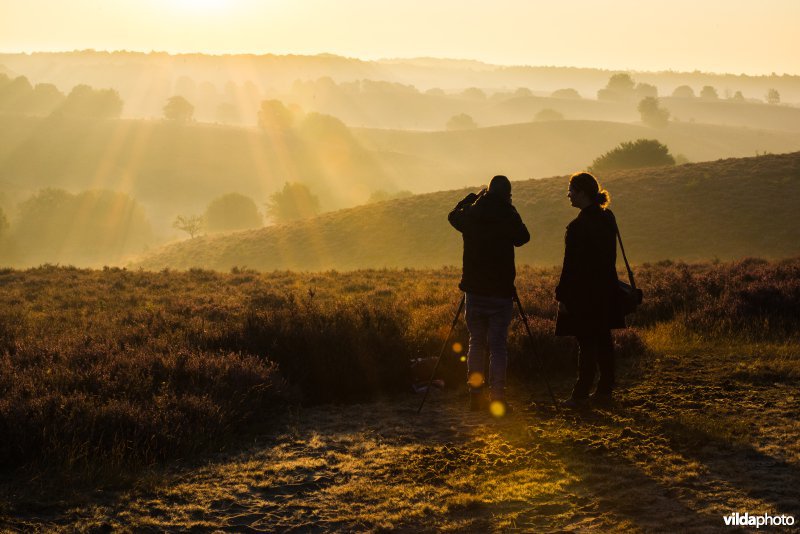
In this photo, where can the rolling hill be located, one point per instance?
(723, 209)
(179, 168)
(432, 161)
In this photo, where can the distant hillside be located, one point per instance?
(179, 168)
(418, 93)
(174, 168)
(724, 209)
(431, 161)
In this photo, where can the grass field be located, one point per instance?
(723, 209)
(276, 401)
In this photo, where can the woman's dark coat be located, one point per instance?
(588, 286)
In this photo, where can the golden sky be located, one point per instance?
(754, 37)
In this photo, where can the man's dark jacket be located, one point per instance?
(491, 228)
(588, 283)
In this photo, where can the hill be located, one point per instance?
(146, 80)
(724, 209)
(179, 168)
(432, 161)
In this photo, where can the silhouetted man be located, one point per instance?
(491, 228)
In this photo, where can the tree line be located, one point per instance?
(18, 95)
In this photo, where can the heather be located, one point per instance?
(117, 369)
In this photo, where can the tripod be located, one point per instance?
(539, 358)
(450, 333)
(444, 346)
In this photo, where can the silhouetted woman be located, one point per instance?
(587, 288)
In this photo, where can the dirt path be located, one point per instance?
(676, 454)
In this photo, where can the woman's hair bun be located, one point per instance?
(603, 198)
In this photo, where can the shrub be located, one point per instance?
(548, 114)
(566, 93)
(462, 121)
(634, 155)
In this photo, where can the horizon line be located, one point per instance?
(389, 59)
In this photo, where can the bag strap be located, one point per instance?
(622, 248)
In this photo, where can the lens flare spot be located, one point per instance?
(497, 409)
(475, 380)
(457, 347)
(463, 358)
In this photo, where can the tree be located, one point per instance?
(634, 155)
(621, 82)
(15, 93)
(45, 99)
(191, 224)
(683, 91)
(738, 97)
(522, 92)
(473, 93)
(620, 87)
(565, 93)
(652, 113)
(86, 102)
(232, 212)
(773, 97)
(462, 121)
(548, 114)
(294, 201)
(178, 109)
(643, 90)
(709, 93)
(274, 117)
(88, 227)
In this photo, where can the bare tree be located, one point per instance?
(773, 97)
(191, 224)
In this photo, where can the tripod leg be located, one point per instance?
(539, 359)
(441, 352)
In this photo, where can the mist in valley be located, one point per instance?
(107, 156)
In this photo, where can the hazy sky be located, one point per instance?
(750, 36)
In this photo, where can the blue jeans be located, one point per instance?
(488, 319)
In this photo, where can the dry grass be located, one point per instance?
(705, 425)
(673, 455)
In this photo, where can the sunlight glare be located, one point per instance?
(497, 409)
(200, 5)
(475, 380)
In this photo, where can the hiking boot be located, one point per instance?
(573, 403)
(478, 401)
